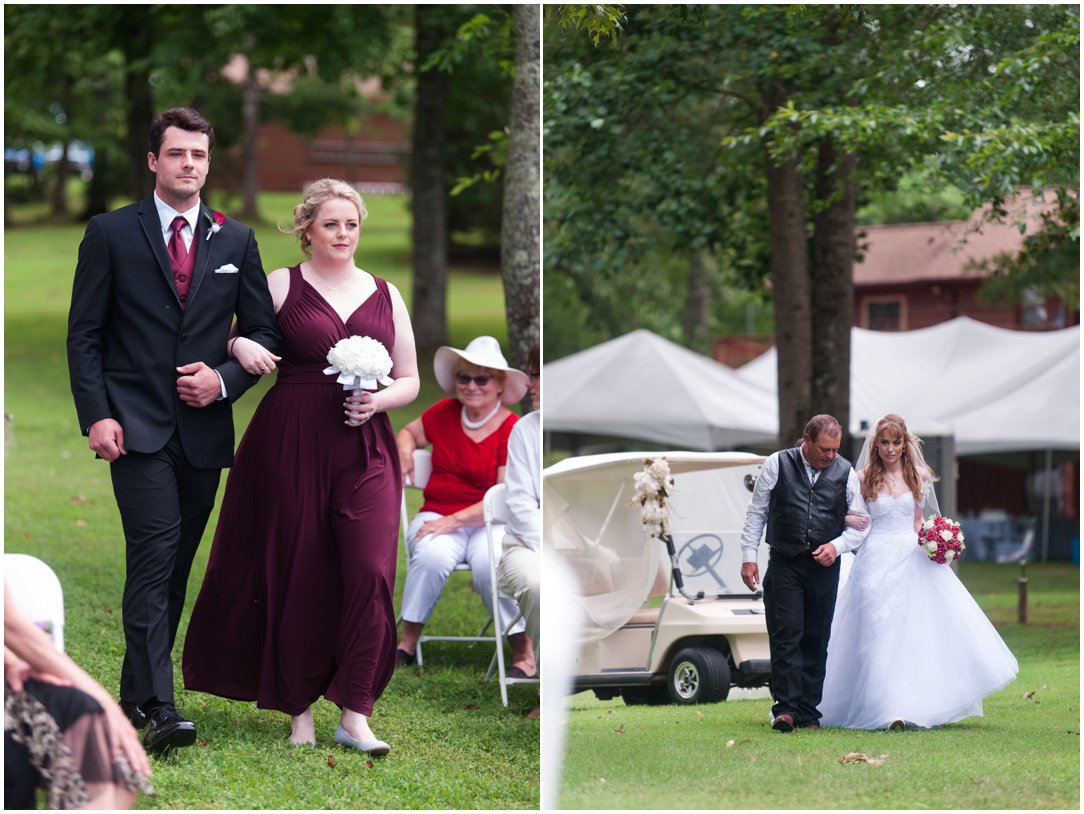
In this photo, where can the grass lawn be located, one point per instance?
(454, 745)
(1024, 753)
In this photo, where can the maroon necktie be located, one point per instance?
(177, 256)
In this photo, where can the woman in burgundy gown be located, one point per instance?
(297, 599)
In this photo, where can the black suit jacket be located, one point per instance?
(127, 332)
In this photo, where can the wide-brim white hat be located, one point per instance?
(482, 351)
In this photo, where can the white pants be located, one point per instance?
(432, 560)
(518, 576)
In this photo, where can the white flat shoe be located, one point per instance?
(376, 748)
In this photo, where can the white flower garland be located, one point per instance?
(653, 487)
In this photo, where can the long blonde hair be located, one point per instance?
(916, 472)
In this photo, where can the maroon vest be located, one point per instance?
(182, 277)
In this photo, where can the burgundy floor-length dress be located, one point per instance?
(297, 599)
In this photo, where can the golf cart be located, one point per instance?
(667, 618)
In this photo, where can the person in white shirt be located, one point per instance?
(802, 495)
(518, 572)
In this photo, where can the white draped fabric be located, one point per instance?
(995, 390)
(588, 520)
(643, 386)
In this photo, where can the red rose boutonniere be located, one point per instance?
(216, 219)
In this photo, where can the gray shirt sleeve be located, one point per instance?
(756, 516)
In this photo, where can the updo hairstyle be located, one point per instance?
(316, 195)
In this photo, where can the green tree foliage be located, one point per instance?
(63, 83)
(487, 85)
(754, 132)
(635, 188)
(66, 71)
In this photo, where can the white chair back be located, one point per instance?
(423, 468)
(37, 593)
(495, 510)
(495, 505)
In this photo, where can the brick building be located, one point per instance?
(915, 275)
(375, 159)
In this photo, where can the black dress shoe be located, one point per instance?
(783, 723)
(166, 730)
(404, 659)
(135, 714)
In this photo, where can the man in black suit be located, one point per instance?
(802, 494)
(157, 287)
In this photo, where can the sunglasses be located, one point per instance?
(481, 379)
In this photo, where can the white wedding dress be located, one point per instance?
(908, 642)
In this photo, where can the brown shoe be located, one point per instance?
(783, 723)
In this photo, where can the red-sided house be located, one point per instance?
(375, 158)
(919, 274)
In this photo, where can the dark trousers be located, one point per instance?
(164, 505)
(799, 601)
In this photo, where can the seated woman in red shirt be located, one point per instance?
(469, 434)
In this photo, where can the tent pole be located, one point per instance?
(1046, 501)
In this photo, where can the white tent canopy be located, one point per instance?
(642, 386)
(995, 390)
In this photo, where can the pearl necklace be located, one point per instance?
(477, 425)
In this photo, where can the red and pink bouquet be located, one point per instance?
(942, 539)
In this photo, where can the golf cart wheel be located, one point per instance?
(698, 675)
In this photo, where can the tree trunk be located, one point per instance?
(832, 285)
(137, 35)
(428, 205)
(696, 321)
(250, 123)
(790, 278)
(60, 188)
(521, 208)
(98, 189)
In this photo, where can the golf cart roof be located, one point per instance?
(591, 520)
(621, 464)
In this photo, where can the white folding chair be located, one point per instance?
(423, 468)
(37, 593)
(495, 510)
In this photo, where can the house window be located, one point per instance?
(1032, 309)
(884, 315)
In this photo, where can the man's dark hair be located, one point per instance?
(534, 361)
(821, 424)
(186, 119)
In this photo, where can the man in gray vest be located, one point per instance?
(802, 494)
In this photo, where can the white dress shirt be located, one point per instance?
(756, 518)
(167, 213)
(522, 477)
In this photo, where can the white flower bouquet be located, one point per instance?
(652, 492)
(360, 363)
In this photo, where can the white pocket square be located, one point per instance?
(229, 268)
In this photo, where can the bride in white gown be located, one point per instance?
(909, 646)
